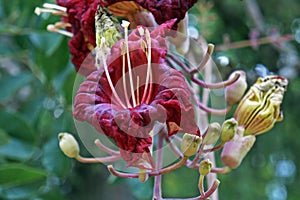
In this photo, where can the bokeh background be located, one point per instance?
(36, 82)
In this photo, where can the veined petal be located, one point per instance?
(130, 127)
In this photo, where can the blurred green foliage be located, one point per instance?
(36, 81)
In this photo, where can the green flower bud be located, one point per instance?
(190, 144)
(68, 145)
(213, 134)
(235, 91)
(260, 109)
(235, 150)
(205, 167)
(228, 129)
(107, 26)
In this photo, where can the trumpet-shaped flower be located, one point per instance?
(132, 89)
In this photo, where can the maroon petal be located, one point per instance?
(130, 127)
(81, 15)
(163, 10)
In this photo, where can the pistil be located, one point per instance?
(148, 54)
(123, 52)
(125, 25)
(103, 57)
(138, 90)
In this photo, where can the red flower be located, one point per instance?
(128, 116)
(162, 10)
(81, 15)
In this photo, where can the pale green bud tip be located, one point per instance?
(190, 144)
(205, 167)
(213, 134)
(68, 145)
(229, 128)
(235, 91)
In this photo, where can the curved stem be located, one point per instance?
(207, 194)
(98, 160)
(155, 173)
(105, 148)
(178, 62)
(157, 194)
(212, 189)
(220, 170)
(174, 148)
(215, 85)
(170, 168)
(200, 185)
(213, 110)
(196, 158)
(210, 49)
(121, 174)
(216, 148)
(248, 43)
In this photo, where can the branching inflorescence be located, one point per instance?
(144, 97)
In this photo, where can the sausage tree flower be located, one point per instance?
(132, 89)
(80, 14)
(162, 11)
(78, 20)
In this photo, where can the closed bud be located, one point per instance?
(213, 134)
(68, 145)
(258, 111)
(205, 167)
(235, 91)
(228, 129)
(190, 144)
(235, 150)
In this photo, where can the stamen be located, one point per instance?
(148, 40)
(54, 6)
(144, 46)
(52, 28)
(138, 90)
(141, 31)
(38, 11)
(62, 25)
(103, 56)
(125, 25)
(123, 52)
(150, 88)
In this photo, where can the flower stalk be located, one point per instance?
(159, 93)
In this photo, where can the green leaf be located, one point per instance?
(15, 125)
(4, 138)
(53, 194)
(54, 160)
(12, 175)
(46, 41)
(23, 192)
(10, 84)
(17, 150)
